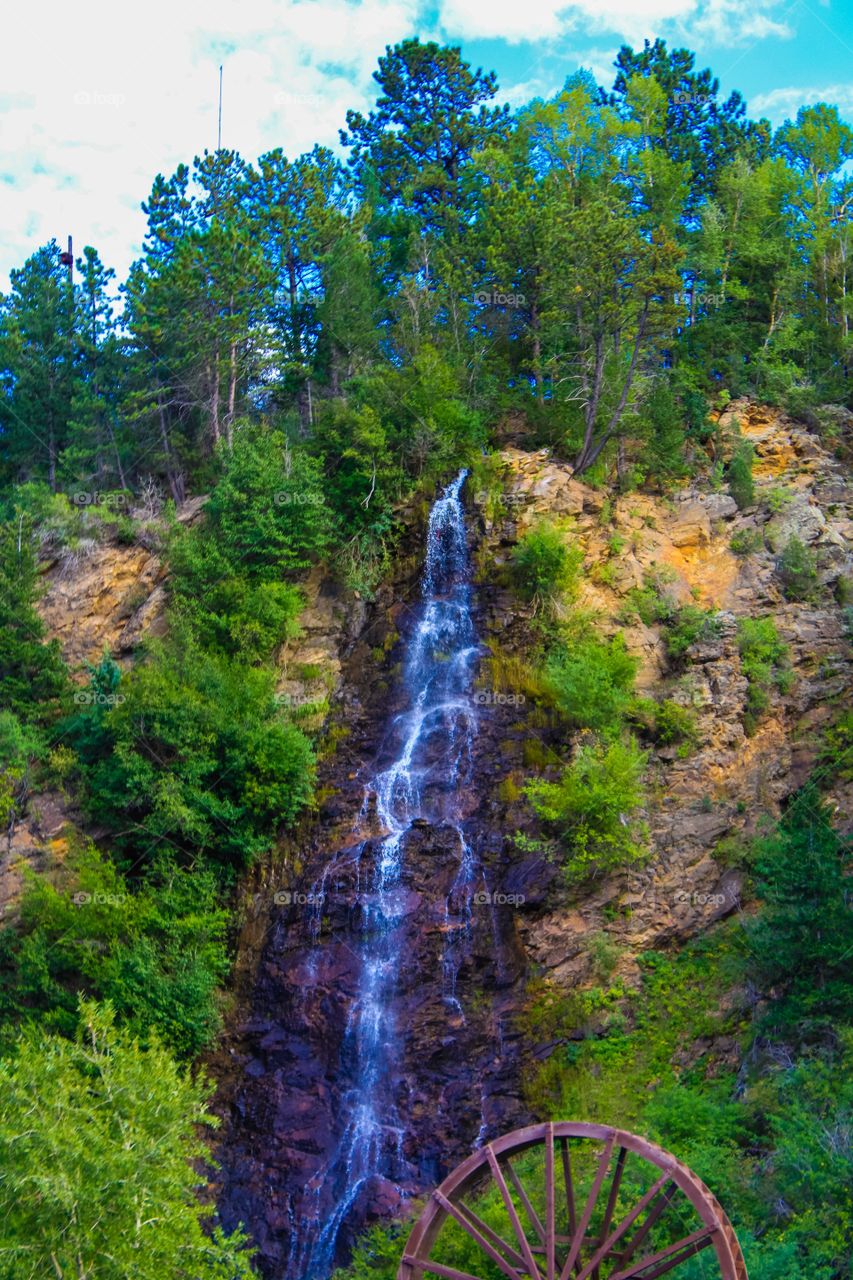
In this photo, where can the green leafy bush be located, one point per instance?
(688, 626)
(741, 484)
(20, 745)
(764, 661)
(802, 940)
(545, 566)
(194, 751)
(266, 518)
(662, 422)
(33, 679)
(747, 542)
(796, 566)
(591, 681)
(100, 1146)
(675, 724)
(654, 601)
(155, 949)
(593, 805)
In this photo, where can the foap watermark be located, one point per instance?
(489, 698)
(481, 497)
(690, 99)
(495, 298)
(484, 898)
(82, 899)
(98, 98)
(287, 498)
(709, 299)
(705, 899)
(94, 698)
(295, 700)
(100, 498)
(292, 898)
(285, 99)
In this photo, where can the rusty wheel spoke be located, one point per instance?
(488, 1240)
(512, 1213)
(611, 1228)
(580, 1232)
(666, 1259)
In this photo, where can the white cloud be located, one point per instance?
(90, 114)
(96, 100)
(781, 104)
(725, 21)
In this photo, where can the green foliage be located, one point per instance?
(155, 950)
(194, 752)
(267, 517)
(764, 661)
(653, 602)
(33, 680)
(593, 807)
(836, 757)
(741, 485)
(801, 942)
(808, 1108)
(666, 722)
(796, 566)
(376, 1255)
(20, 745)
(663, 456)
(747, 542)
(690, 625)
(97, 1142)
(591, 681)
(546, 566)
(362, 477)
(778, 498)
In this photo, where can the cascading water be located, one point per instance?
(376, 1049)
(434, 737)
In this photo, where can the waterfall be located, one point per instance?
(430, 758)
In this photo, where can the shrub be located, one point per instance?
(100, 1149)
(33, 679)
(653, 602)
(763, 659)
(592, 805)
(157, 953)
(778, 498)
(690, 625)
(266, 518)
(663, 456)
(545, 566)
(836, 757)
(741, 485)
(746, 542)
(196, 752)
(675, 723)
(797, 568)
(591, 681)
(802, 939)
(20, 745)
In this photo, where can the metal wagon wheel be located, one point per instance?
(578, 1202)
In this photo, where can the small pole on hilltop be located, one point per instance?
(219, 134)
(67, 260)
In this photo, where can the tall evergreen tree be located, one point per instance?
(37, 352)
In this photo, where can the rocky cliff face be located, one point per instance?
(280, 1066)
(303, 983)
(730, 780)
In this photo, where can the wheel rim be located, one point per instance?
(572, 1201)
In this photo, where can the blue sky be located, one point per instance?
(97, 97)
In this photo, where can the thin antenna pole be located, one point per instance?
(219, 134)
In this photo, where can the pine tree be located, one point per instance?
(37, 348)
